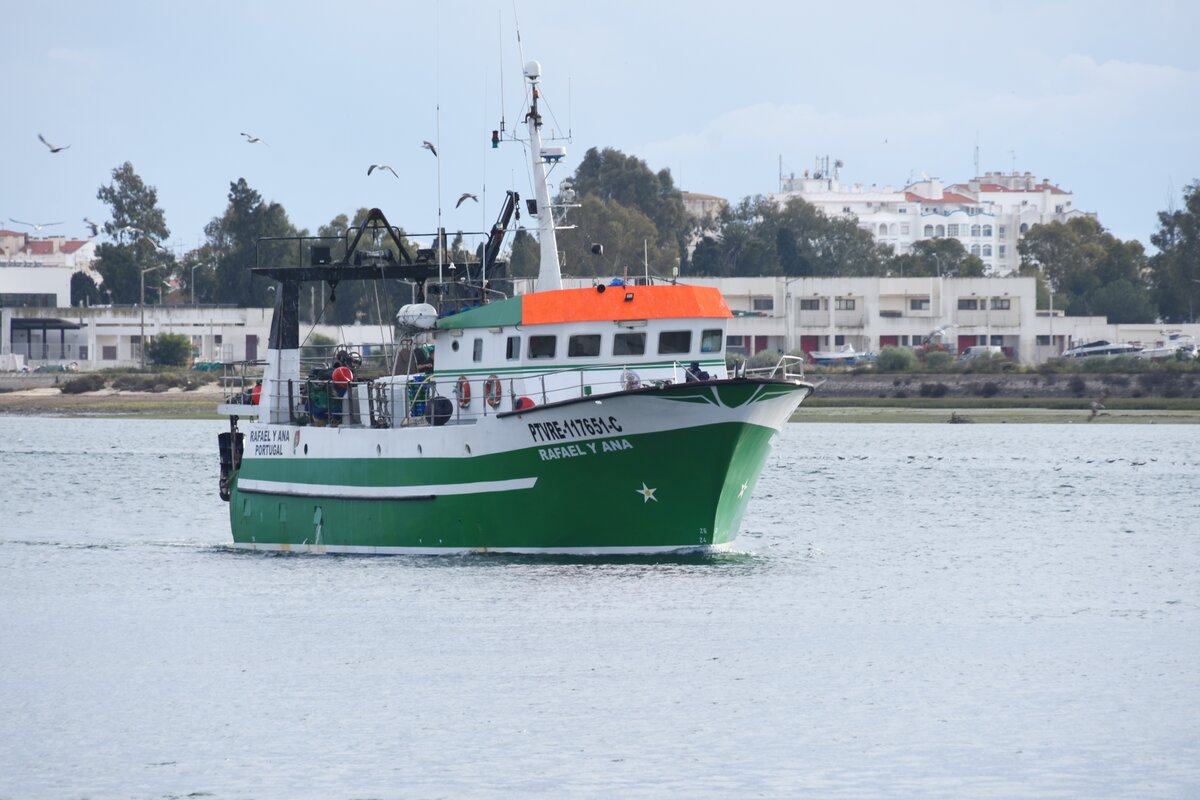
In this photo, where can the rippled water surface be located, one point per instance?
(914, 611)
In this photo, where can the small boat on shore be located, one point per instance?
(844, 356)
(1101, 347)
(593, 421)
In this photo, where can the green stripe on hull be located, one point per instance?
(668, 489)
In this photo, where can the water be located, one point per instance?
(915, 611)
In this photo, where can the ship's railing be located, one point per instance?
(238, 380)
(788, 368)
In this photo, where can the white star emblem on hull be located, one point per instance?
(647, 493)
(742, 491)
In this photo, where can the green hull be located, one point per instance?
(680, 488)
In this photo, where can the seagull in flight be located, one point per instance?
(465, 197)
(429, 146)
(37, 226)
(94, 227)
(374, 167)
(53, 148)
(253, 139)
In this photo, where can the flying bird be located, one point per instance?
(374, 167)
(465, 197)
(37, 226)
(53, 148)
(253, 139)
(429, 146)
(95, 228)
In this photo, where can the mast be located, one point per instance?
(549, 276)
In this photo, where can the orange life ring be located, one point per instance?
(463, 390)
(342, 376)
(491, 391)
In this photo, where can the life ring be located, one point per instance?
(462, 390)
(491, 391)
(342, 376)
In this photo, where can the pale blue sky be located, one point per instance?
(1102, 98)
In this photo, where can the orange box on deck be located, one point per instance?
(649, 302)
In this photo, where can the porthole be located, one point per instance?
(454, 345)
(419, 450)
(378, 450)
(468, 448)
(306, 449)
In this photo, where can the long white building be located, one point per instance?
(989, 213)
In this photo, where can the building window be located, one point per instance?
(839, 341)
(939, 231)
(583, 345)
(762, 303)
(987, 230)
(997, 341)
(843, 304)
(1001, 304)
(711, 341)
(882, 229)
(629, 344)
(904, 229)
(672, 342)
(542, 346)
(952, 230)
(1003, 249)
(918, 304)
(974, 230)
(928, 231)
(968, 304)
(1044, 341)
(512, 350)
(902, 210)
(1024, 228)
(477, 350)
(108, 352)
(845, 209)
(974, 249)
(987, 251)
(813, 304)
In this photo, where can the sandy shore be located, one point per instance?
(197, 403)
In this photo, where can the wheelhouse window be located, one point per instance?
(477, 350)
(712, 341)
(542, 346)
(672, 342)
(583, 345)
(512, 350)
(629, 344)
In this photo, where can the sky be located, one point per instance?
(1101, 98)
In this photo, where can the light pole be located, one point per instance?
(142, 308)
(194, 283)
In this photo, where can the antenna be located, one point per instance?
(517, 22)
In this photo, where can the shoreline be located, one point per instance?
(202, 403)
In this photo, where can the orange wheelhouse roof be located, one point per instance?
(647, 302)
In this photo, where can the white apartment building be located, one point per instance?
(989, 213)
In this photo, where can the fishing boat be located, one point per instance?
(593, 420)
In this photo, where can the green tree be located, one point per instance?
(525, 255)
(1175, 269)
(626, 234)
(611, 175)
(137, 224)
(84, 291)
(234, 238)
(1083, 263)
(931, 257)
(169, 350)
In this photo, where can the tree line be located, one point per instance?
(637, 216)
